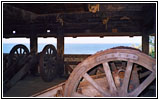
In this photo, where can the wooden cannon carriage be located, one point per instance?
(19, 62)
(117, 72)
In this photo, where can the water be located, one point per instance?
(73, 48)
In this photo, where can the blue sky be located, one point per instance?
(79, 40)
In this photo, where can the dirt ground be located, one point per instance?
(31, 85)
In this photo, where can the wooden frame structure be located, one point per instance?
(78, 20)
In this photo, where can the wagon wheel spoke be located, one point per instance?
(109, 77)
(47, 52)
(50, 51)
(95, 85)
(15, 56)
(49, 72)
(143, 85)
(17, 53)
(127, 75)
(20, 51)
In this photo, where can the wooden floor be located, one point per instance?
(31, 85)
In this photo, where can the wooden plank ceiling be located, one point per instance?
(78, 19)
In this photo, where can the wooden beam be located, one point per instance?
(71, 22)
(87, 29)
(33, 45)
(60, 54)
(21, 72)
(145, 43)
(16, 15)
(84, 34)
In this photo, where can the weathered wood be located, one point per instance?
(118, 54)
(143, 85)
(125, 17)
(13, 68)
(48, 63)
(16, 59)
(60, 54)
(72, 59)
(51, 92)
(109, 78)
(86, 21)
(21, 72)
(145, 43)
(51, 7)
(134, 78)
(75, 57)
(16, 15)
(72, 63)
(87, 89)
(76, 94)
(144, 74)
(125, 84)
(33, 45)
(78, 7)
(78, 34)
(73, 29)
(113, 67)
(95, 85)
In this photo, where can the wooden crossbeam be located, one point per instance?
(25, 23)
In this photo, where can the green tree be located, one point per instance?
(151, 46)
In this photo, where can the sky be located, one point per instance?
(81, 40)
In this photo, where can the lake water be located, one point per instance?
(73, 48)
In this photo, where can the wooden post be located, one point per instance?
(145, 43)
(33, 45)
(33, 51)
(60, 53)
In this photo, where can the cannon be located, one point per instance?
(13, 71)
(48, 63)
(16, 59)
(20, 61)
(119, 72)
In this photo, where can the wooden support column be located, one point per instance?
(33, 45)
(145, 43)
(60, 53)
(35, 56)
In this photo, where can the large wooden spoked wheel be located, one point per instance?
(130, 56)
(18, 52)
(48, 63)
(16, 60)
